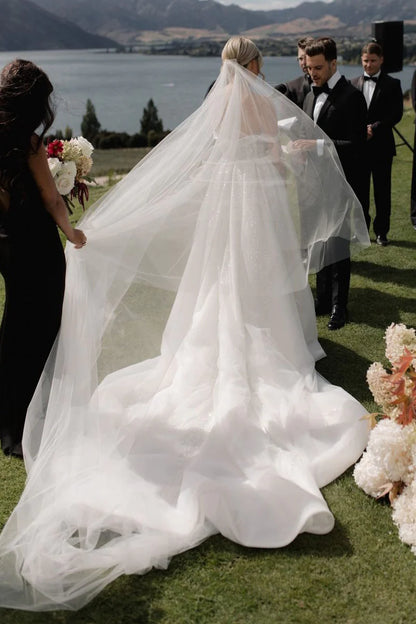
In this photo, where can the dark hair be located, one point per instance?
(372, 48)
(322, 45)
(25, 106)
(304, 41)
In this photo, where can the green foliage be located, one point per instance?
(137, 140)
(68, 133)
(360, 573)
(150, 119)
(153, 137)
(90, 126)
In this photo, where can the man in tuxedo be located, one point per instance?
(384, 99)
(297, 89)
(340, 110)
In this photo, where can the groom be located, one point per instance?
(340, 110)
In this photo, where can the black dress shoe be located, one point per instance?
(17, 451)
(321, 309)
(382, 240)
(338, 317)
(9, 448)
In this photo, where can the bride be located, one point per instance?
(227, 427)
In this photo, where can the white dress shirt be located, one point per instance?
(369, 88)
(319, 102)
(321, 99)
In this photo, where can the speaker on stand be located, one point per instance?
(390, 36)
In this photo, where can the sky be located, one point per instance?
(266, 5)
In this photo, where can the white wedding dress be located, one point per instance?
(229, 429)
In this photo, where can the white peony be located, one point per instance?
(85, 146)
(65, 178)
(54, 166)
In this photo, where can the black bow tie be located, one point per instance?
(318, 90)
(373, 78)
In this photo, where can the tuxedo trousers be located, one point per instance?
(333, 283)
(379, 169)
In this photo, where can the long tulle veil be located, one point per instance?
(226, 213)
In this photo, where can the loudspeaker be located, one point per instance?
(390, 36)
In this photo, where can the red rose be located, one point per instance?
(55, 148)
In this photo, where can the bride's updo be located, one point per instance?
(242, 50)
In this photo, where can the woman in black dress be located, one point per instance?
(31, 256)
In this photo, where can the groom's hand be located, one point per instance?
(304, 144)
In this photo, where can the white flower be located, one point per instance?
(404, 515)
(391, 445)
(71, 150)
(388, 457)
(54, 166)
(370, 476)
(398, 337)
(85, 146)
(65, 178)
(380, 386)
(84, 164)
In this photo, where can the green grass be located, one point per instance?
(358, 574)
(113, 161)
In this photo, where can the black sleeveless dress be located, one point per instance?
(32, 263)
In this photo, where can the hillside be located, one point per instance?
(26, 26)
(132, 21)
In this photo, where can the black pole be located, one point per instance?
(403, 139)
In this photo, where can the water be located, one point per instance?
(120, 85)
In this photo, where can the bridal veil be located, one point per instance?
(181, 399)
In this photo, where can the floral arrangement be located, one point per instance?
(388, 466)
(69, 163)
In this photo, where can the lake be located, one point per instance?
(120, 85)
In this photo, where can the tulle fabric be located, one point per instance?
(181, 399)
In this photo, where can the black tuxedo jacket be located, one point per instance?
(296, 90)
(343, 118)
(384, 112)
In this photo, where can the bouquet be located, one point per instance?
(69, 163)
(388, 466)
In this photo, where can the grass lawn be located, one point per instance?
(358, 574)
(112, 161)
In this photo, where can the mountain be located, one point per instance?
(26, 26)
(127, 15)
(131, 21)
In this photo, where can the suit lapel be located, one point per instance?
(308, 104)
(324, 108)
(376, 94)
(330, 99)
